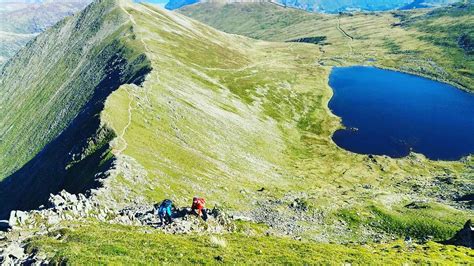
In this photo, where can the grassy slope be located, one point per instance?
(444, 27)
(222, 116)
(44, 94)
(226, 109)
(46, 90)
(379, 36)
(105, 244)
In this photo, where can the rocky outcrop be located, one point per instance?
(65, 206)
(466, 42)
(465, 236)
(62, 207)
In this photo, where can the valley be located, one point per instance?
(127, 104)
(21, 21)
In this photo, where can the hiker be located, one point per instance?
(164, 211)
(198, 207)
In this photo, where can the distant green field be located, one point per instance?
(423, 42)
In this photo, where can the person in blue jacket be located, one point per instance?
(164, 211)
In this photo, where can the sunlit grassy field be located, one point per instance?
(105, 244)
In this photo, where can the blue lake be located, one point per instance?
(392, 113)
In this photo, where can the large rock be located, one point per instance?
(17, 218)
(465, 237)
(56, 201)
(13, 254)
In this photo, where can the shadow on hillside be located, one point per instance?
(51, 170)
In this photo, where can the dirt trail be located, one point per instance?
(134, 23)
(124, 130)
(351, 39)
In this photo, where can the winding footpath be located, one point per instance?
(351, 39)
(124, 130)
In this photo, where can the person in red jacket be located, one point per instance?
(198, 207)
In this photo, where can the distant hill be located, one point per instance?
(175, 4)
(22, 20)
(428, 4)
(334, 6)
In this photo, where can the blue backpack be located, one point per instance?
(165, 206)
(166, 203)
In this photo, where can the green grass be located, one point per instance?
(433, 220)
(112, 244)
(421, 42)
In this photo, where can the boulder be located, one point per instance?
(465, 236)
(14, 251)
(56, 201)
(17, 218)
(53, 219)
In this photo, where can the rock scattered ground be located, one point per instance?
(68, 207)
(284, 217)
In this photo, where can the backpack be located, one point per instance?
(198, 203)
(166, 203)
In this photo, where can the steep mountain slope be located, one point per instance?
(421, 42)
(48, 121)
(21, 21)
(157, 105)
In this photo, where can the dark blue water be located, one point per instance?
(392, 113)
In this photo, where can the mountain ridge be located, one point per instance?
(62, 134)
